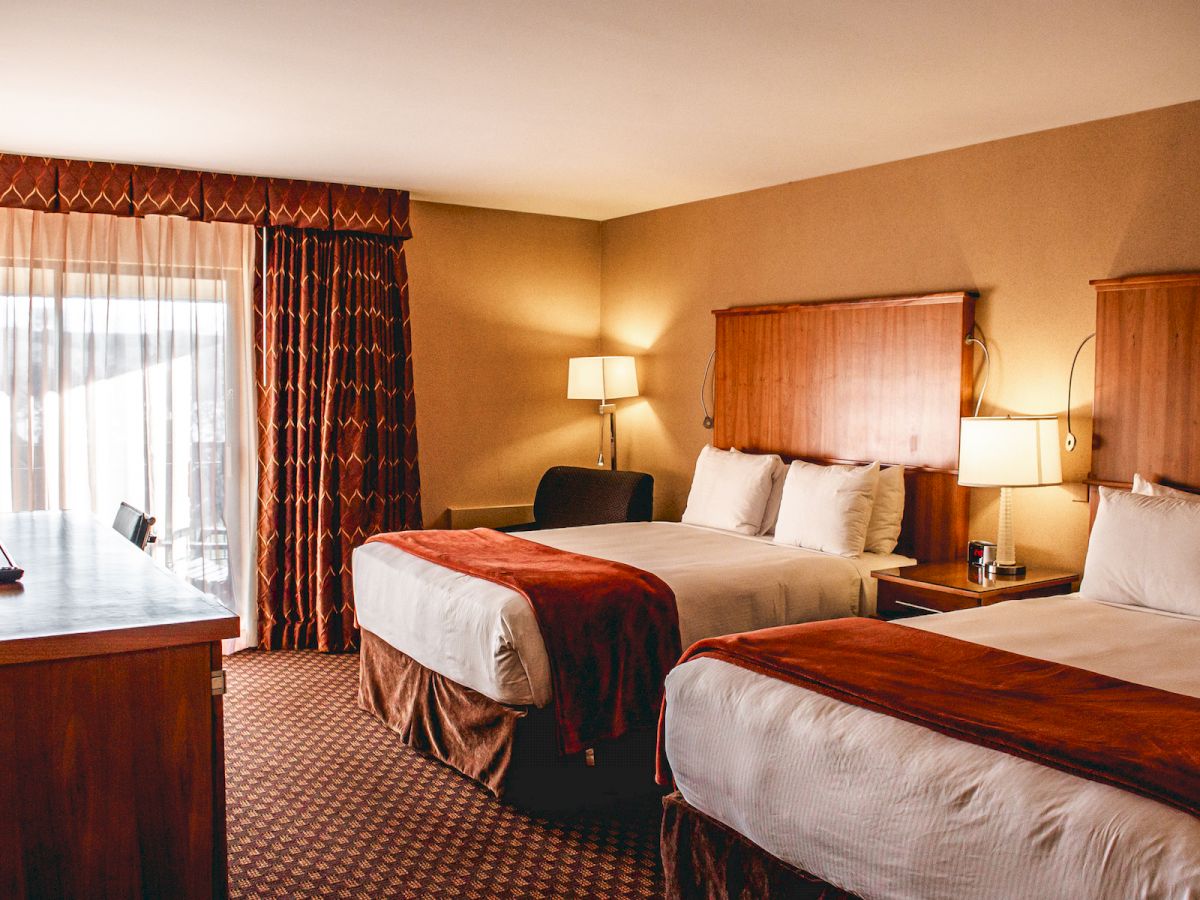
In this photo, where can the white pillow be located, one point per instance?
(887, 511)
(729, 490)
(827, 507)
(778, 474)
(1143, 552)
(1150, 489)
(775, 498)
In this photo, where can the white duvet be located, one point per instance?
(888, 809)
(485, 636)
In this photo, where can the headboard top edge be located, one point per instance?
(1179, 279)
(803, 306)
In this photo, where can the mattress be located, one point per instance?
(485, 636)
(887, 809)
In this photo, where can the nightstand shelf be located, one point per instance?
(947, 587)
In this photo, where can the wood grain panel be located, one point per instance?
(865, 379)
(882, 379)
(1147, 396)
(937, 512)
(107, 785)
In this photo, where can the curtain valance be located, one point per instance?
(45, 184)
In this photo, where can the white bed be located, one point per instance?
(885, 808)
(484, 636)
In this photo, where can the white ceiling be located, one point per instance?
(589, 109)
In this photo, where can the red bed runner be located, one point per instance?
(1138, 738)
(611, 630)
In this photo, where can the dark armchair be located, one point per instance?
(569, 495)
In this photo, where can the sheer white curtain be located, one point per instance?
(126, 373)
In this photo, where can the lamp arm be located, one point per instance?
(600, 452)
(1071, 442)
(708, 419)
(612, 439)
(987, 372)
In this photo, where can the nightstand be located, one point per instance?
(946, 587)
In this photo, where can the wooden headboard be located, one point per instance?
(1146, 414)
(855, 381)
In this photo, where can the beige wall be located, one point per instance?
(1025, 221)
(500, 300)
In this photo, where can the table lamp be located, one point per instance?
(603, 378)
(1008, 452)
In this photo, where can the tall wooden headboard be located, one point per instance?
(855, 381)
(1146, 414)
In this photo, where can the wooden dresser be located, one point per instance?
(112, 769)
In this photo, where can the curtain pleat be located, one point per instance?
(337, 442)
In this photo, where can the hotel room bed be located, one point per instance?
(1090, 790)
(882, 807)
(458, 666)
(485, 637)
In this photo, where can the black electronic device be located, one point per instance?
(9, 572)
(981, 554)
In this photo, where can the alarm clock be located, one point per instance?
(981, 554)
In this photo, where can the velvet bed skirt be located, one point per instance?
(705, 860)
(510, 750)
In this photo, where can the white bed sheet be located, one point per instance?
(485, 636)
(888, 809)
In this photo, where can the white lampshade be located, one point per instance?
(1009, 452)
(601, 378)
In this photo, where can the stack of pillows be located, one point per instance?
(845, 510)
(1143, 549)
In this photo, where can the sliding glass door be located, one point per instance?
(126, 376)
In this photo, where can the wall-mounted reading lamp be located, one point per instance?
(708, 419)
(987, 363)
(1071, 441)
(603, 378)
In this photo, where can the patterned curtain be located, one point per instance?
(337, 437)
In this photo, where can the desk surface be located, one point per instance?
(87, 591)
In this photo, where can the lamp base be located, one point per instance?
(1006, 565)
(1013, 571)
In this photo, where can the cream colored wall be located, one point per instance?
(499, 301)
(1025, 221)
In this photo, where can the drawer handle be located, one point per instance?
(917, 606)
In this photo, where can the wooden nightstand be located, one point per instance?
(946, 587)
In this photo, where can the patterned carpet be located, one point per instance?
(324, 801)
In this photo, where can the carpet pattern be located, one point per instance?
(324, 801)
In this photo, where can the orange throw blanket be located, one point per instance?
(611, 630)
(1138, 738)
